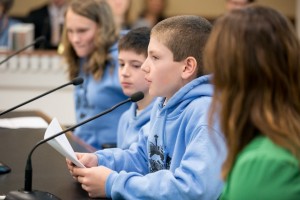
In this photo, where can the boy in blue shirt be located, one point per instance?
(132, 54)
(178, 155)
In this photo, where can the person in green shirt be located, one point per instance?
(254, 55)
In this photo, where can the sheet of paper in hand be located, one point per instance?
(61, 143)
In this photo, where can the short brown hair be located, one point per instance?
(185, 36)
(136, 40)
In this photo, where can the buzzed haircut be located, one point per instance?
(185, 36)
(136, 40)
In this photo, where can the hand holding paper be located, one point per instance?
(61, 143)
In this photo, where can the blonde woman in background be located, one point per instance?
(90, 50)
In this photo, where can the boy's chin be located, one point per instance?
(153, 93)
(128, 92)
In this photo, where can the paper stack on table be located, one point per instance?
(23, 122)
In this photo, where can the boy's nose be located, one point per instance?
(145, 67)
(125, 71)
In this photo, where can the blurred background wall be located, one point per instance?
(206, 8)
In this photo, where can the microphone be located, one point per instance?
(38, 40)
(75, 81)
(30, 194)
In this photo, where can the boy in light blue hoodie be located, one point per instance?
(132, 54)
(178, 155)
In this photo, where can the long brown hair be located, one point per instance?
(98, 11)
(254, 55)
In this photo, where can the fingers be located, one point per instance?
(77, 171)
(71, 168)
(69, 162)
(72, 174)
(90, 193)
(84, 187)
(92, 180)
(80, 179)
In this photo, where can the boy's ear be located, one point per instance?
(189, 68)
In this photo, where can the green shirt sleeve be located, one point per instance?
(263, 174)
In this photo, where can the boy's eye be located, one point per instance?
(121, 64)
(154, 57)
(136, 66)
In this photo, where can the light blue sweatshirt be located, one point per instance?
(130, 125)
(178, 156)
(95, 96)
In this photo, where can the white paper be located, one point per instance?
(23, 122)
(61, 143)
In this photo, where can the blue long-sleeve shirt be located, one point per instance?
(130, 125)
(178, 155)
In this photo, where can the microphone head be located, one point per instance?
(77, 81)
(137, 96)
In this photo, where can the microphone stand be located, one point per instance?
(39, 39)
(75, 81)
(30, 194)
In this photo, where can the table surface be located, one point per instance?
(50, 171)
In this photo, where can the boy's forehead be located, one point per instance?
(163, 37)
(155, 45)
(157, 35)
(154, 39)
(132, 52)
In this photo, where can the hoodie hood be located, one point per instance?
(199, 87)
